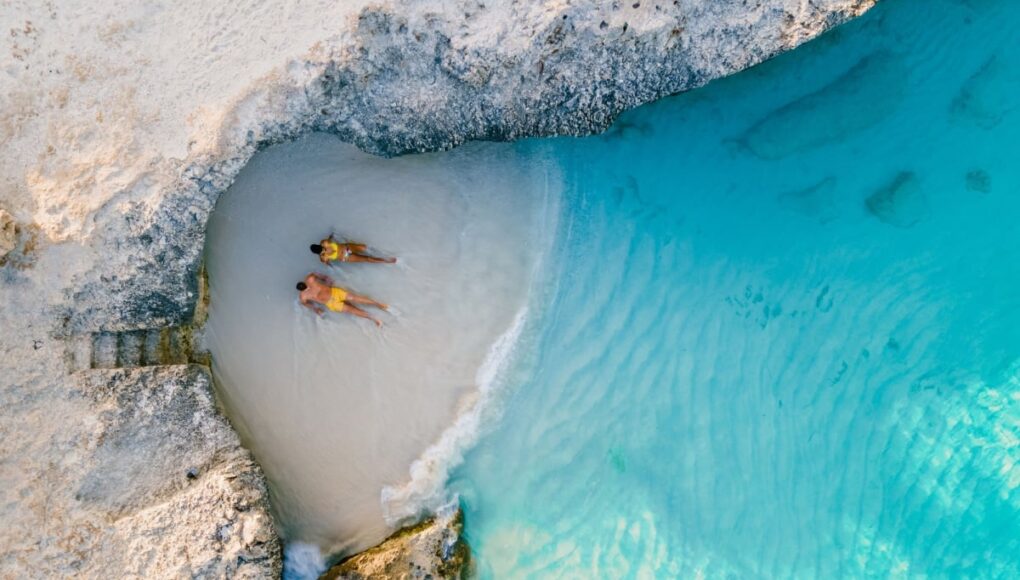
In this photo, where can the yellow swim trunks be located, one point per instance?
(336, 299)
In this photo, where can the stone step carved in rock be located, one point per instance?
(134, 348)
(104, 350)
(129, 348)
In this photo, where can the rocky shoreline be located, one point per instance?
(118, 462)
(434, 548)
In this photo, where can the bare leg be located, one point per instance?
(360, 248)
(352, 309)
(371, 259)
(359, 299)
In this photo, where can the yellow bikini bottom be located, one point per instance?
(336, 252)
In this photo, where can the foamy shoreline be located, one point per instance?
(425, 491)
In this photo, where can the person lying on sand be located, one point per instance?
(318, 290)
(331, 250)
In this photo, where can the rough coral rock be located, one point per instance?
(435, 548)
(901, 202)
(145, 462)
(8, 234)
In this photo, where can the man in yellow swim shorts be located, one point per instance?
(331, 250)
(319, 291)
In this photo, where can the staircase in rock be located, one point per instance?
(135, 348)
(146, 347)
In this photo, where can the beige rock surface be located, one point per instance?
(121, 122)
(435, 548)
(137, 475)
(8, 234)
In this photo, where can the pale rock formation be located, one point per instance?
(8, 234)
(129, 463)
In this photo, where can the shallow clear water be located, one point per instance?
(782, 337)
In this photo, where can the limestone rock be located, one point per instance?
(149, 481)
(8, 234)
(186, 500)
(17, 242)
(980, 100)
(979, 180)
(434, 548)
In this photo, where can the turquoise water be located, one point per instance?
(781, 336)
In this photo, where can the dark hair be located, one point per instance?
(302, 286)
(316, 248)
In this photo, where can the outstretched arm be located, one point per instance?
(323, 278)
(312, 306)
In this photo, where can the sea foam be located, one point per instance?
(302, 561)
(426, 492)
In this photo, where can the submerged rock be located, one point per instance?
(435, 548)
(979, 180)
(981, 99)
(860, 98)
(901, 203)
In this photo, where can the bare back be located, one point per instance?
(316, 290)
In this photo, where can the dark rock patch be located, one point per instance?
(982, 100)
(978, 180)
(901, 203)
(862, 97)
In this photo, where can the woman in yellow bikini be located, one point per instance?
(331, 250)
(318, 291)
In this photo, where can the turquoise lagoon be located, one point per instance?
(779, 334)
